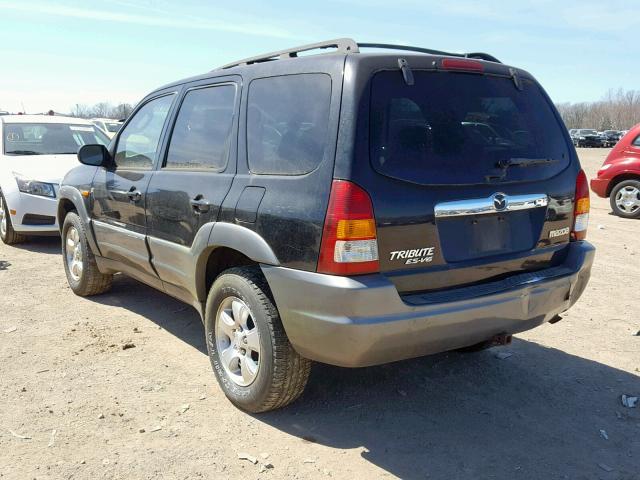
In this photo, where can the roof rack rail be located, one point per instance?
(348, 45)
(342, 45)
(478, 55)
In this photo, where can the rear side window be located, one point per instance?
(458, 128)
(636, 142)
(202, 132)
(287, 122)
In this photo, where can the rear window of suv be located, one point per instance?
(458, 128)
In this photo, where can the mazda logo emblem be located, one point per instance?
(500, 201)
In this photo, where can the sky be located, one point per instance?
(56, 53)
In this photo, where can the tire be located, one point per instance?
(275, 374)
(625, 199)
(7, 234)
(84, 277)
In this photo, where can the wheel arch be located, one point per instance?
(615, 181)
(70, 199)
(230, 245)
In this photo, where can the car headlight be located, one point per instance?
(34, 187)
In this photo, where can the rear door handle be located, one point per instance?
(134, 194)
(200, 205)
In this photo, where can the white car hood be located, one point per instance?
(44, 168)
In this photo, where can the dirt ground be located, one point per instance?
(75, 405)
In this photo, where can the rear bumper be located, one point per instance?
(599, 186)
(361, 321)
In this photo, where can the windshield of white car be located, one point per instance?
(49, 138)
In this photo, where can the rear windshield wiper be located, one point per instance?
(23, 152)
(524, 162)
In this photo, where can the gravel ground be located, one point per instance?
(75, 404)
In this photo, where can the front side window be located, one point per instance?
(201, 136)
(49, 138)
(138, 144)
(287, 123)
(460, 128)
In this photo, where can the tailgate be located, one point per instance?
(474, 178)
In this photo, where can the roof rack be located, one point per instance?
(342, 45)
(478, 55)
(348, 45)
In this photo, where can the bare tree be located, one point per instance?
(121, 111)
(618, 110)
(102, 109)
(81, 110)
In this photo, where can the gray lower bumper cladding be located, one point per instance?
(362, 321)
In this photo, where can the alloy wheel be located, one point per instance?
(237, 341)
(3, 219)
(73, 250)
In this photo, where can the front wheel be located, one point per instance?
(79, 263)
(7, 234)
(254, 362)
(625, 199)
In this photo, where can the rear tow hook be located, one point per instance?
(555, 319)
(501, 339)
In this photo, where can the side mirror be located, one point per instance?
(94, 155)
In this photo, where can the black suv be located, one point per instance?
(610, 137)
(345, 208)
(588, 138)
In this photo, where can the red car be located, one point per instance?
(619, 176)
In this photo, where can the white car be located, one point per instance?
(36, 151)
(107, 125)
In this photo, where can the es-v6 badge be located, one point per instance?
(417, 255)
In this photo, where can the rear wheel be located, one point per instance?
(7, 234)
(625, 199)
(79, 263)
(254, 362)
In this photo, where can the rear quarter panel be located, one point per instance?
(290, 214)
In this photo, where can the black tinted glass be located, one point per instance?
(287, 121)
(456, 128)
(138, 143)
(202, 131)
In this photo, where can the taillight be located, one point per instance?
(349, 243)
(581, 208)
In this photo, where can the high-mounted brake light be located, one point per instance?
(462, 64)
(581, 208)
(349, 241)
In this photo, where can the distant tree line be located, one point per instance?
(102, 110)
(618, 110)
